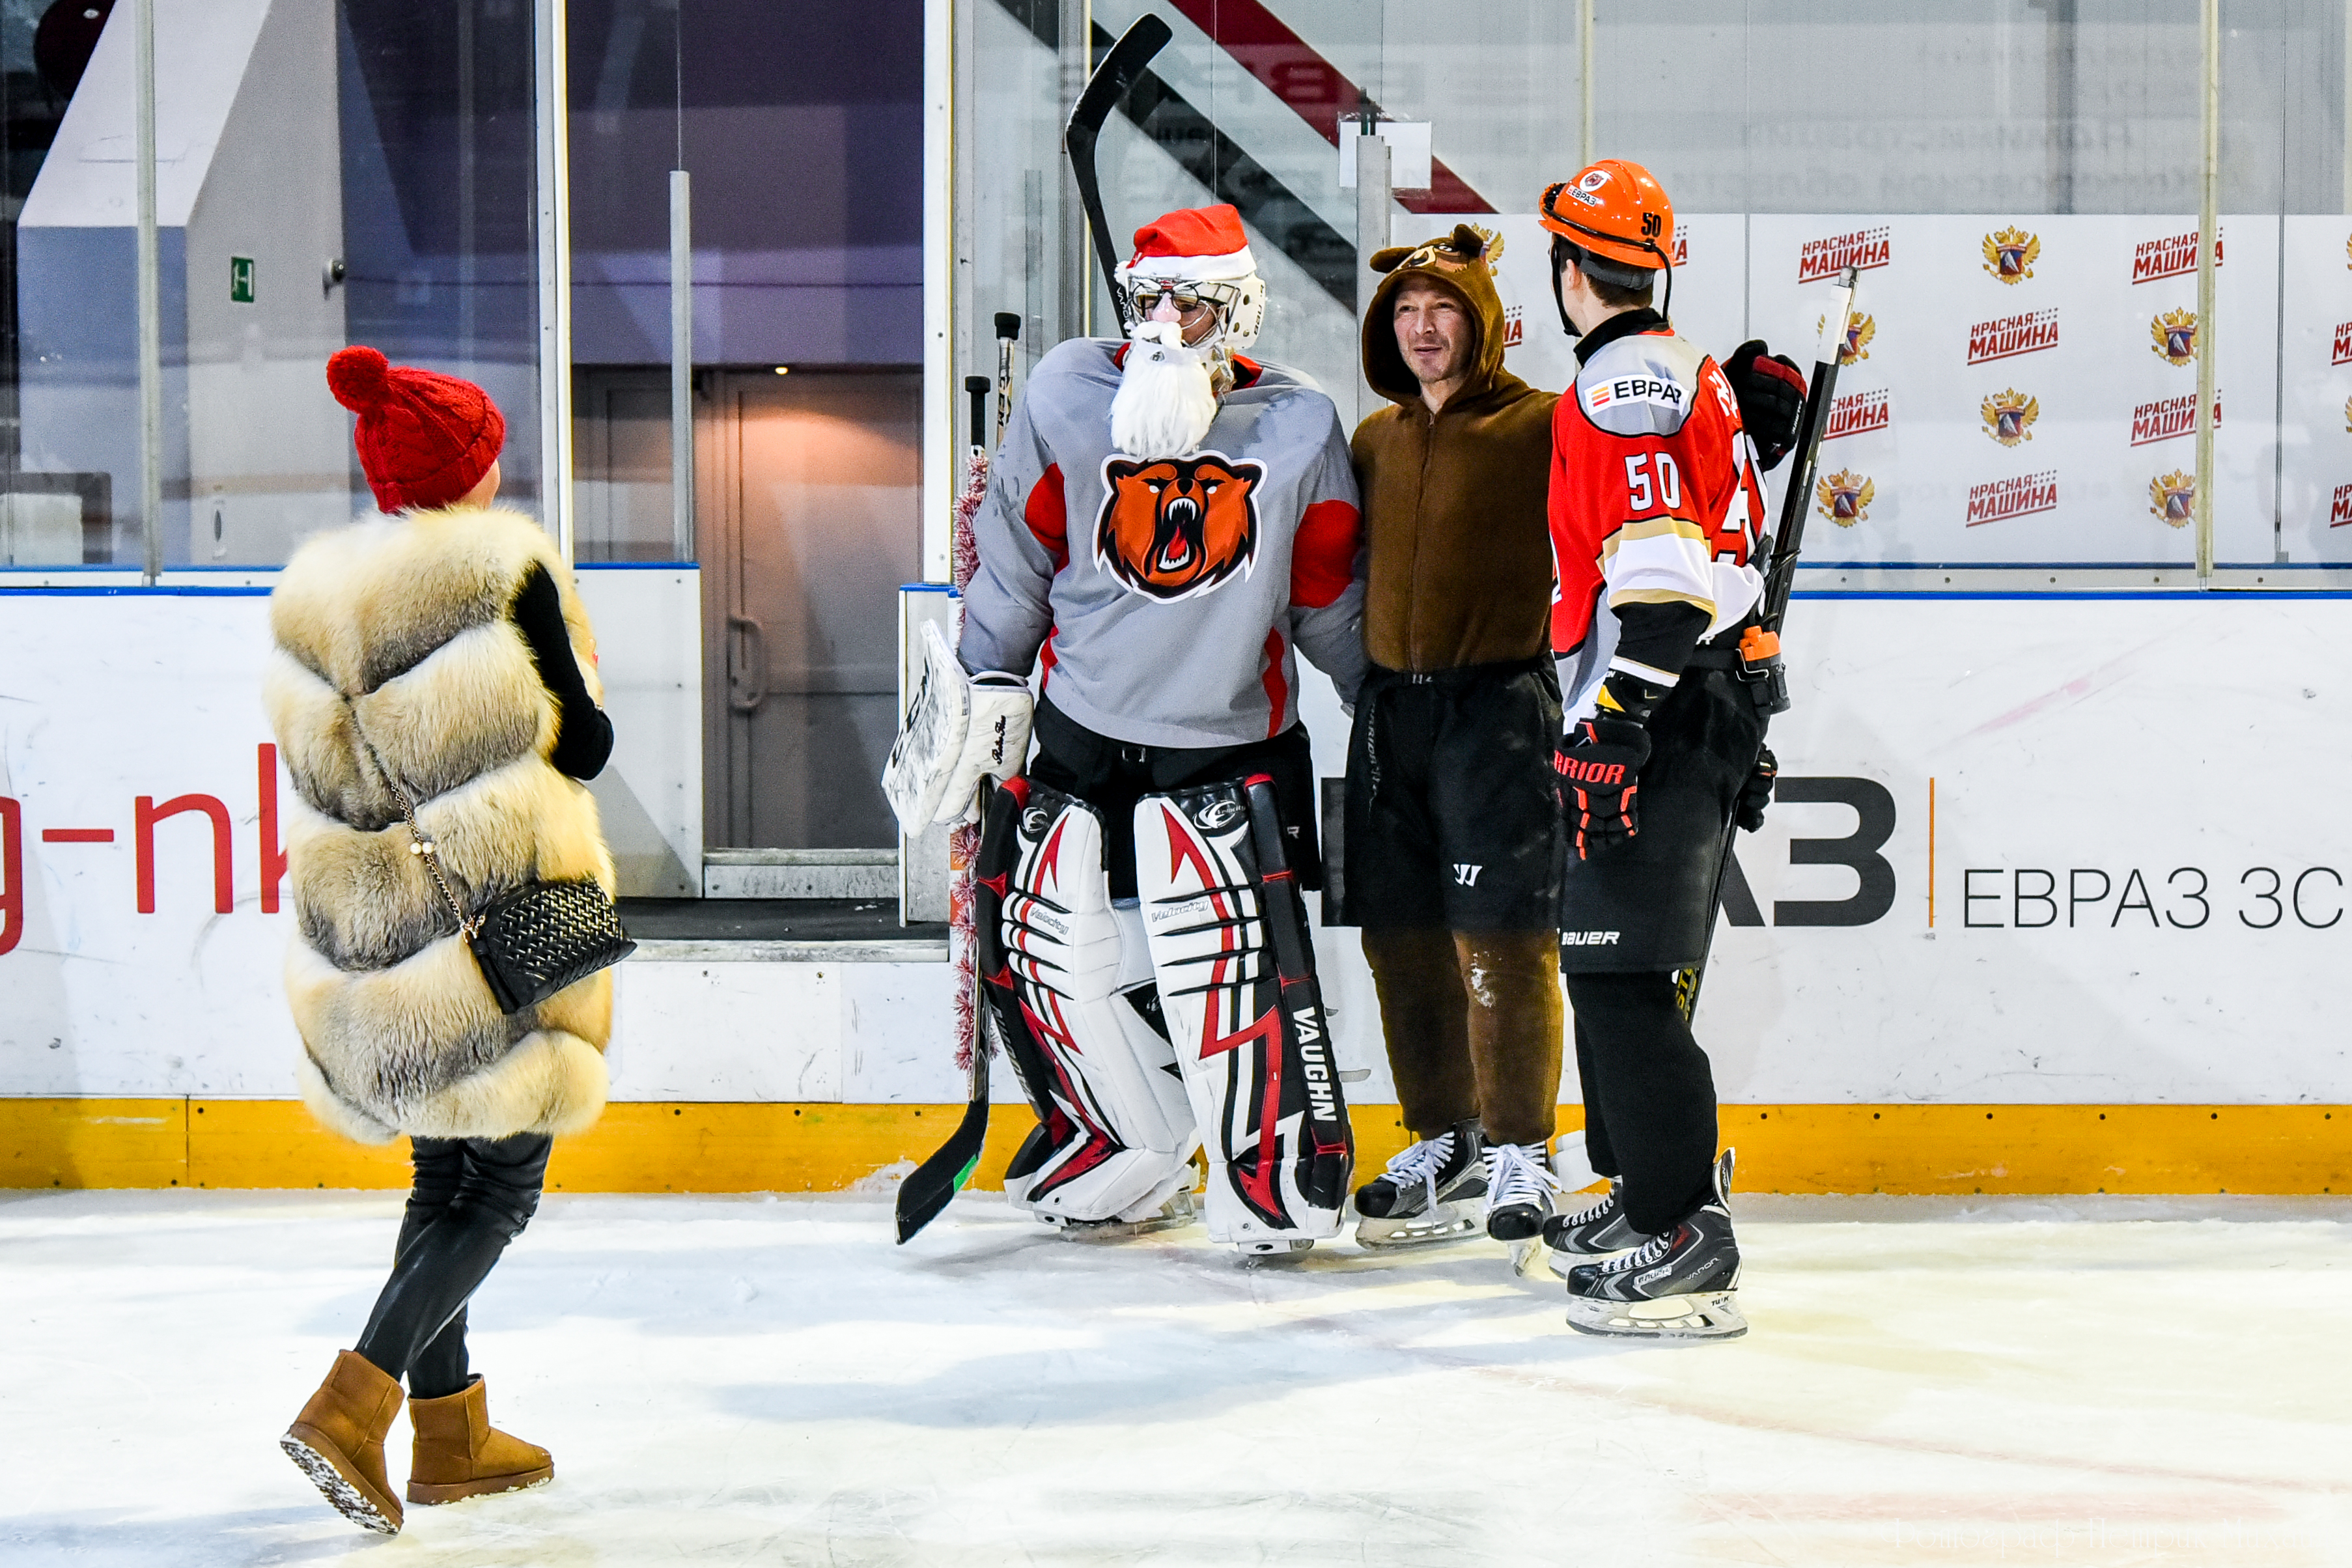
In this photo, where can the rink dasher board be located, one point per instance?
(2032, 409)
(2099, 764)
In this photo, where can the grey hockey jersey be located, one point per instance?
(1167, 601)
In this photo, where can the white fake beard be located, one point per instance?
(1166, 399)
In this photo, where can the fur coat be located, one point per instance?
(399, 628)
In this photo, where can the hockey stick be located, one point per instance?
(1109, 84)
(1760, 651)
(1008, 330)
(928, 1188)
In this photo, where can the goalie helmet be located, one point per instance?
(1198, 253)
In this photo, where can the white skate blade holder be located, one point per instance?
(1706, 1315)
(1181, 1210)
(1531, 1259)
(1448, 1222)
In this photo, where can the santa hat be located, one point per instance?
(1192, 245)
(425, 439)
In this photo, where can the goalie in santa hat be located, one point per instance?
(1169, 525)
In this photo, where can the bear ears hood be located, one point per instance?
(1456, 262)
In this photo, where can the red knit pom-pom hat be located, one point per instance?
(425, 439)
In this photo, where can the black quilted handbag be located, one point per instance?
(530, 943)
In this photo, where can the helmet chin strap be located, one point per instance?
(1561, 246)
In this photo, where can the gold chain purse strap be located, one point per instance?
(468, 926)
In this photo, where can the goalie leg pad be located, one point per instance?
(1117, 1128)
(1236, 965)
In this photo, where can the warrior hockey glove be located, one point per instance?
(1757, 793)
(1599, 766)
(1770, 391)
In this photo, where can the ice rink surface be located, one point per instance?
(746, 1381)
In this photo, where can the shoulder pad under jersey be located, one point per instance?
(1642, 384)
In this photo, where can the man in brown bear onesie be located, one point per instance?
(1452, 839)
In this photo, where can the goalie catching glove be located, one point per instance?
(960, 729)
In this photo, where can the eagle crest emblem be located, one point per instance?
(1174, 527)
(1845, 497)
(2010, 254)
(1494, 251)
(1860, 328)
(2175, 335)
(2009, 415)
(2173, 497)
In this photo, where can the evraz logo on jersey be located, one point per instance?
(1174, 526)
(1636, 389)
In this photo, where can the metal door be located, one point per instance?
(815, 499)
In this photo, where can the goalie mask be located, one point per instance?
(1193, 267)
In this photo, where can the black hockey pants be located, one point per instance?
(1649, 1095)
(470, 1197)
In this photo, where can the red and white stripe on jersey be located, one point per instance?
(1653, 479)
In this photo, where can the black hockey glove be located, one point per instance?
(1757, 793)
(1770, 391)
(1599, 764)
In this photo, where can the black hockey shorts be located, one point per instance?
(1646, 904)
(1452, 819)
(1112, 775)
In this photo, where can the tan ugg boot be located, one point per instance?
(460, 1454)
(339, 1441)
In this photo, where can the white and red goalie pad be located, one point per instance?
(1230, 944)
(1128, 1132)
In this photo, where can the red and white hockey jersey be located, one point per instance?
(1655, 500)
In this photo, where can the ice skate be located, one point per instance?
(1594, 1231)
(1519, 1186)
(1179, 1209)
(1424, 1196)
(1680, 1285)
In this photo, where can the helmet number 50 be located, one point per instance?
(1668, 491)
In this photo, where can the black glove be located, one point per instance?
(1757, 793)
(1770, 391)
(1599, 764)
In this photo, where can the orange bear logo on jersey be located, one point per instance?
(1175, 527)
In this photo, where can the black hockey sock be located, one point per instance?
(1653, 1088)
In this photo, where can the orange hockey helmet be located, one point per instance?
(1613, 220)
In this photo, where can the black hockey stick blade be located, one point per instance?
(932, 1185)
(1109, 83)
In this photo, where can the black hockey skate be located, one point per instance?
(1595, 1230)
(1680, 1285)
(1519, 1186)
(1421, 1197)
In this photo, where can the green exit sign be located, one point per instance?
(240, 279)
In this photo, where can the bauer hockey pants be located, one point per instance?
(470, 1197)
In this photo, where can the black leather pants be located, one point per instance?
(470, 1197)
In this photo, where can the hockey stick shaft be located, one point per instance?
(1787, 543)
(1104, 89)
(930, 1185)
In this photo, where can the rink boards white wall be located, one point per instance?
(2138, 866)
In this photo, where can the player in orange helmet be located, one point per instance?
(1656, 509)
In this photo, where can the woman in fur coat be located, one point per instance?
(441, 645)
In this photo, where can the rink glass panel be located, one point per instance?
(1989, 418)
(292, 135)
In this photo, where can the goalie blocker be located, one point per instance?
(1137, 1032)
